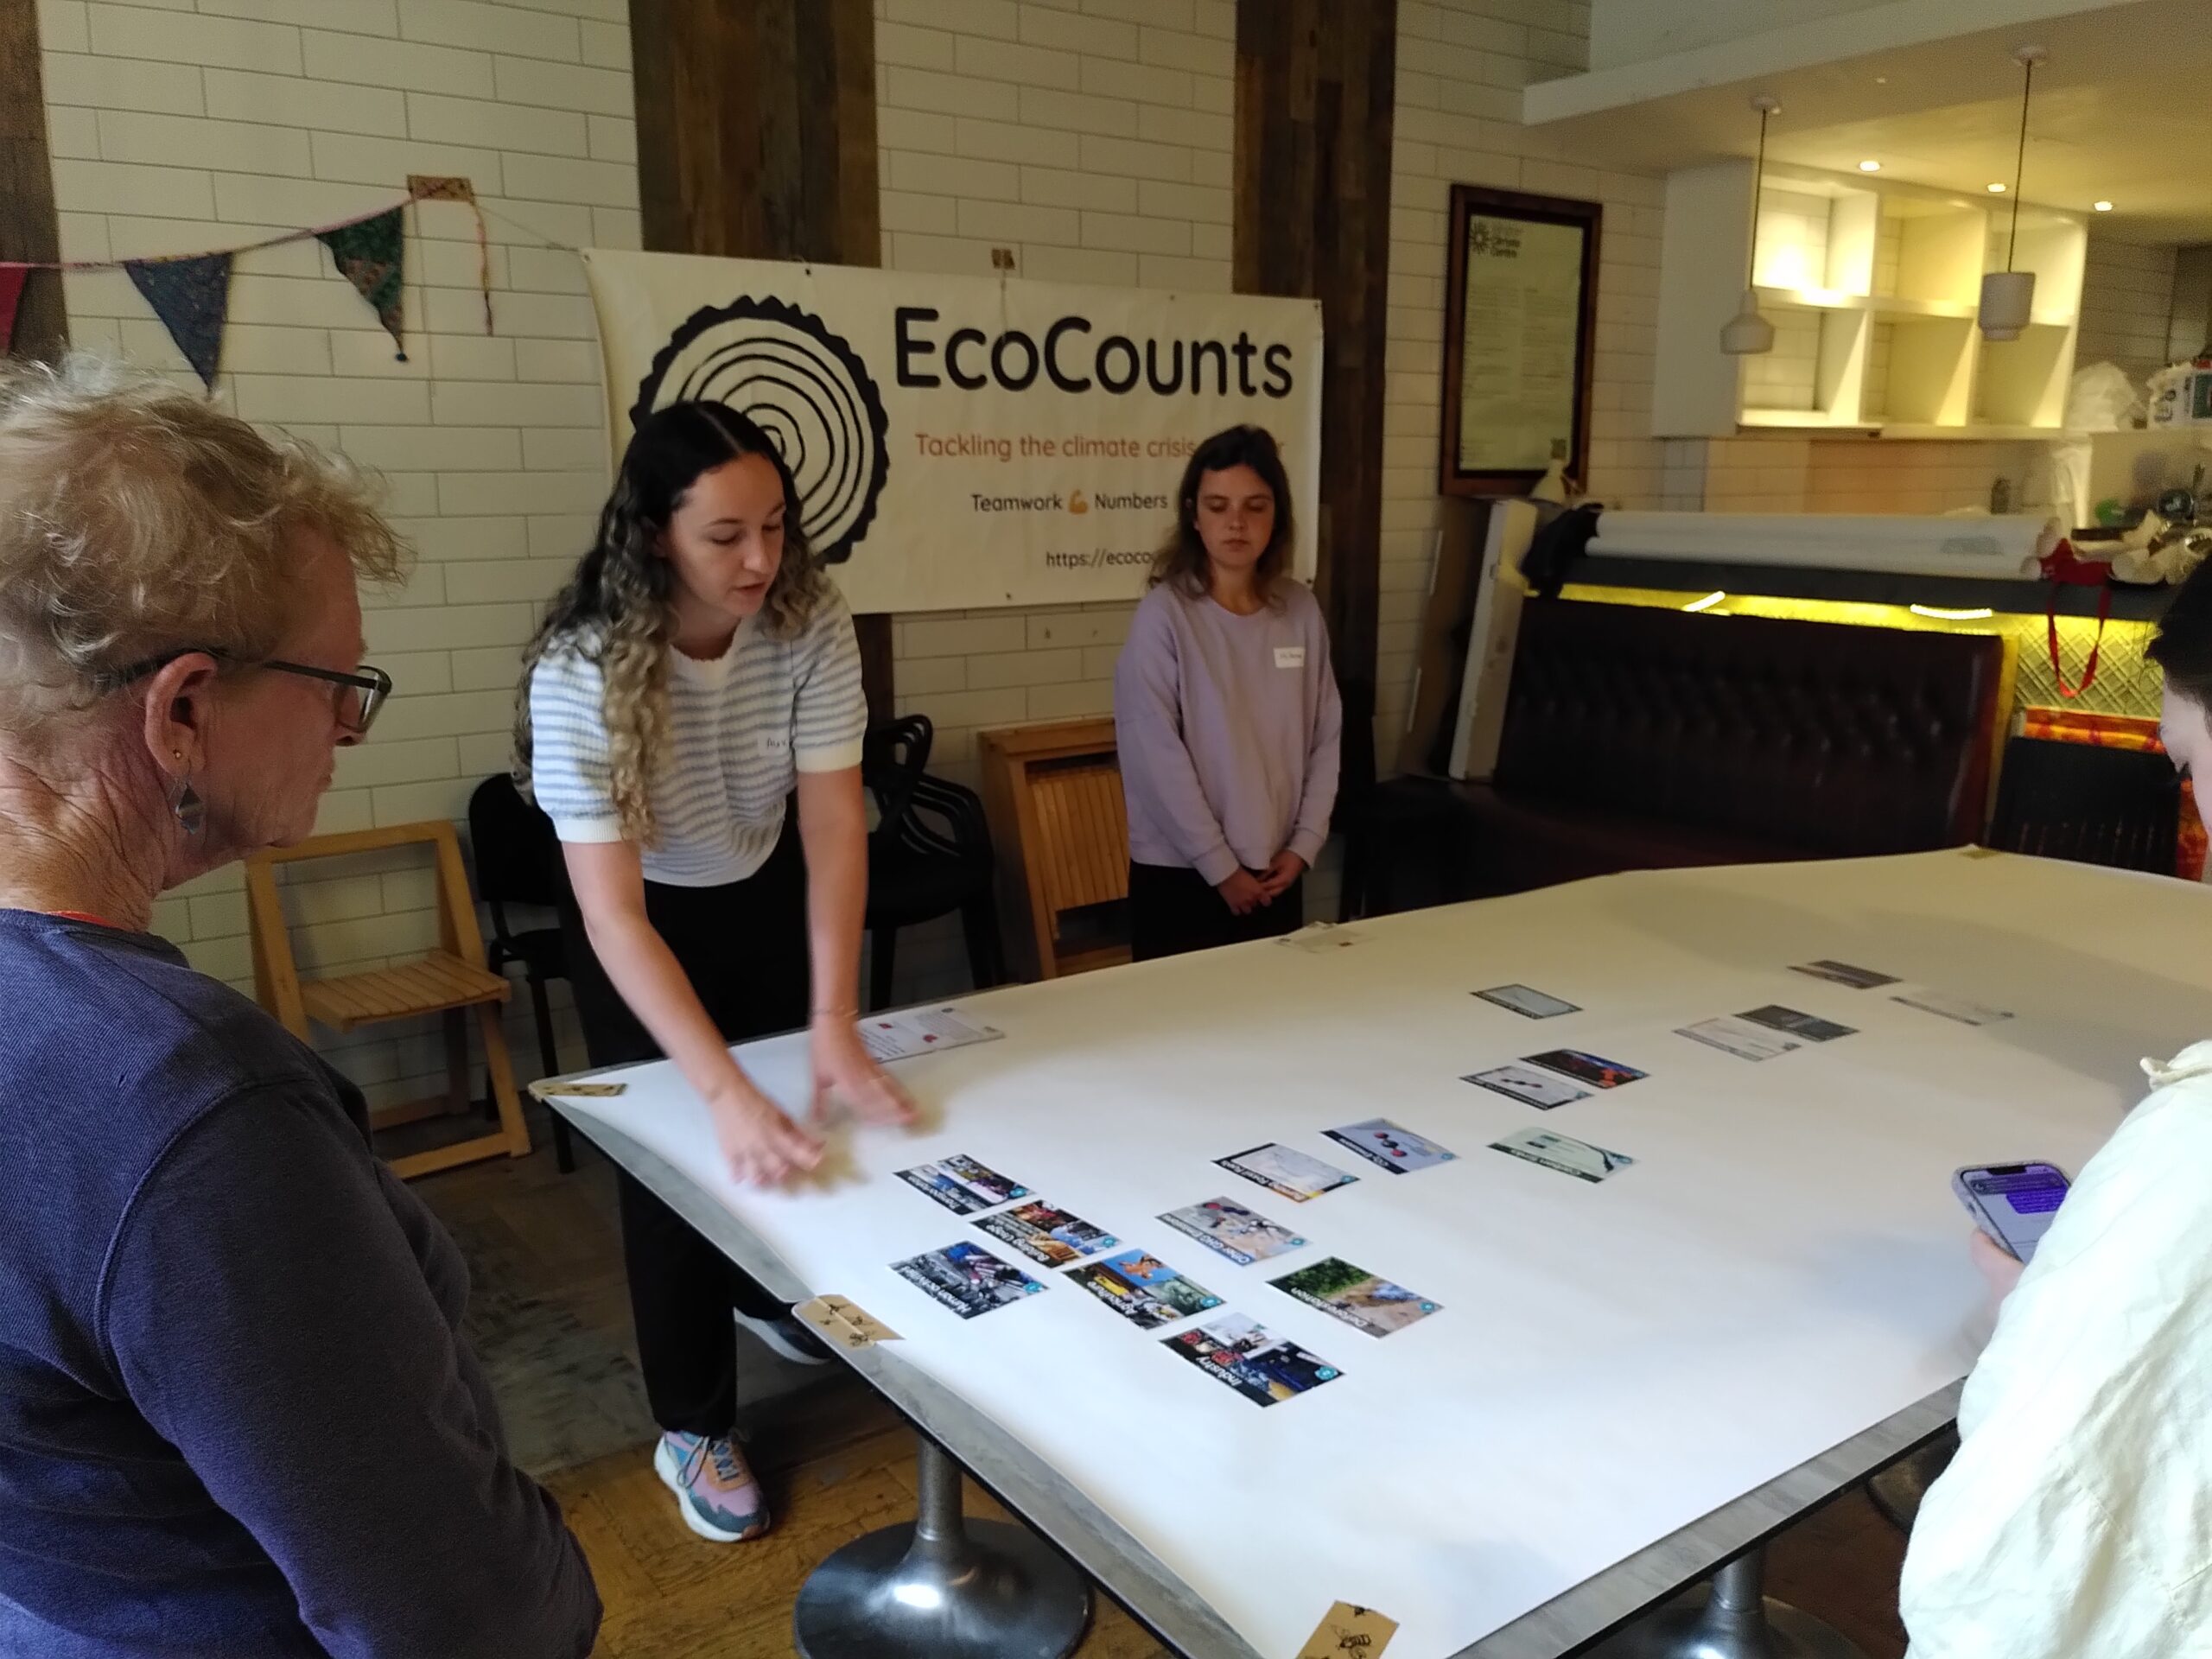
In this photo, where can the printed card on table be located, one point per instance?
(1047, 1234)
(1227, 1226)
(1568, 1156)
(962, 1185)
(1527, 999)
(1794, 1022)
(920, 1031)
(1251, 1359)
(1529, 1084)
(1144, 1290)
(1738, 1037)
(1843, 973)
(1350, 1632)
(966, 1278)
(1592, 1069)
(1965, 1010)
(1322, 938)
(1365, 1300)
(1398, 1150)
(1287, 1171)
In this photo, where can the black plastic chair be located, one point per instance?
(518, 862)
(2093, 805)
(929, 854)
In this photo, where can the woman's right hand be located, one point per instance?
(764, 1148)
(1242, 892)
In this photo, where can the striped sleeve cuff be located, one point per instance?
(837, 758)
(588, 831)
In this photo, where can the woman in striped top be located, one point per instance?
(697, 669)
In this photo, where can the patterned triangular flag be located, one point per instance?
(191, 296)
(371, 255)
(427, 186)
(11, 294)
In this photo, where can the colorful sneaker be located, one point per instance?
(714, 1487)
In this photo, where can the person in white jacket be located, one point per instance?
(2076, 1521)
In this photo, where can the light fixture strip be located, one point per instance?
(2021, 160)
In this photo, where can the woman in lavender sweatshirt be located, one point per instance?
(1226, 714)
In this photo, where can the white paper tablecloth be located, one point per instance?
(1783, 1267)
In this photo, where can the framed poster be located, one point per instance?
(1520, 326)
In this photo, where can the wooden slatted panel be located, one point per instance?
(1316, 105)
(30, 228)
(1084, 832)
(436, 983)
(756, 140)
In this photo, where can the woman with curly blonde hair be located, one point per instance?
(696, 671)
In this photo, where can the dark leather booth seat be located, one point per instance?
(1641, 738)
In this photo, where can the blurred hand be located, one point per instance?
(1285, 868)
(1242, 892)
(765, 1148)
(844, 1068)
(1998, 1265)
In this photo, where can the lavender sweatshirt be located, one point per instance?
(1228, 727)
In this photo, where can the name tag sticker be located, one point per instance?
(1290, 655)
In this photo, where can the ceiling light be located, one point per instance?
(1996, 190)
(2101, 206)
(2008, 296)
(1748, 334)
(1870, 167)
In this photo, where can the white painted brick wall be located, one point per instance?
(1093, 138)
(184, 127)
(2127, 292)
(1461, 66)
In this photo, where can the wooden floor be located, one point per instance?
(550, 1318)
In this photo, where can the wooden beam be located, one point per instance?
(30, 228)
(756, 140)
(1316, 105)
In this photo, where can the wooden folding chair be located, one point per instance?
(448, 982)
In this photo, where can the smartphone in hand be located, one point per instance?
(2014, 1204)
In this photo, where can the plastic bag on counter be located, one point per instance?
(2101, 399)
(2059, 482)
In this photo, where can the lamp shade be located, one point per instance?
(1749, 333)
(2008, 299)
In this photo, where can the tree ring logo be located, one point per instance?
(805, 387)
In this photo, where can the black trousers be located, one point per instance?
(745, 948)
(1173, 909)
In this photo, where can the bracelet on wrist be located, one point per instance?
(836, 1013)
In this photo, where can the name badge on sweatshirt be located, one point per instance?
(1290, 655)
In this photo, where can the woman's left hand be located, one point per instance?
(1283, 869)
(844, 1067)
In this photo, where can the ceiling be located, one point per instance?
(2119, 115)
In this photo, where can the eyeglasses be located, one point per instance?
(358, 696)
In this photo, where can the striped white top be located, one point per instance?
(743, 727)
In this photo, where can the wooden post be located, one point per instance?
(756, 140)
(1316, 105)
(30, 229)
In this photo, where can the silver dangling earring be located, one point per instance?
(189, 810)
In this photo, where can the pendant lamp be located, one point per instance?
(1749, 334)
(2008, 296)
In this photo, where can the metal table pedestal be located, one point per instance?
(1735, 1621)
(944, 1587)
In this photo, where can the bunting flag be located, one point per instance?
(425, 187)
(11, 294)
(191, 296)
(371, 255)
